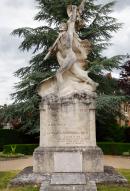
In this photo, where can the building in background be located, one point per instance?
(125, 110)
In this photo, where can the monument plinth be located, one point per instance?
(67, 130)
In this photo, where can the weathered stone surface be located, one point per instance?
(70, 85)
(27, 177)
(68, 121)
(68, 178)
(109, 176)
(67, 132)
(92, 159)
(71, 162)
(71, 54)
(67, 109)
(90, 186)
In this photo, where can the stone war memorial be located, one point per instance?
(67, 109)
(68, 157)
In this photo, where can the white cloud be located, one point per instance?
(121, 39)
(13, 14)
(17, 13)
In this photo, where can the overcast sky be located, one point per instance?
(20, 13)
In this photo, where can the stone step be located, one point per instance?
(68, 179)
(90, 186)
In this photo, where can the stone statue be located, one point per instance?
(70, 50)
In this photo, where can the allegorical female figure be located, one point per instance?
(70, 50)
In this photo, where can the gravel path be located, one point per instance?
(19, 164)
(117, 161)
(16, 164)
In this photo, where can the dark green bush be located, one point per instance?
(110, 133)
(110, 148)
(127, 134)
(26, 149)
(8, 136)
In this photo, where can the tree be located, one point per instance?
(99, 28)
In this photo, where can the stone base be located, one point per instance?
(81, 159)
(89, 186)
(68, 179)
(27, 177)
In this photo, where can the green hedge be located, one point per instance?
(26, 149)
(9, 136)
(110, 148)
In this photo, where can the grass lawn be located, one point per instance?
(5, 177)
(125, 173)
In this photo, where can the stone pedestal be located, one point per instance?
(49, 160)
(67, 150)
(67, 135)
(68, 182)
(68, 121)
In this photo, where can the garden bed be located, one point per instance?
(10, 156)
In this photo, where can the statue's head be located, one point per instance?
(80, 23)
(63, 27)
(70, 9)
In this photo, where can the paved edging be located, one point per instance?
(19, 164)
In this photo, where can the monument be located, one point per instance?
(67, 112)
(68, 158)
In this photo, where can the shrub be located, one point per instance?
(127, 134)
(26, 149)
(9, 136)
(111, 148)
(108, 148)
(110, 133)
(10, 156)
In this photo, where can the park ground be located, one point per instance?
(118, 162)
(8, 169)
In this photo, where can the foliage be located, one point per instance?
(21, 115)
(111, 132)
(108, 108)
(5, 177)
(126, 153)
(99, 27)
(26, 149)
(9, 114)
(13, 149)
(125, 173)
(111, 148)
(127, 134)
(13, 137)
(107, 147)
(113, 188)
(10, 155)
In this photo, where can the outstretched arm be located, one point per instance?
(82, 6)
(71, 25)
(52, 48)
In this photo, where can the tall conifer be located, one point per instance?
(99, 27)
